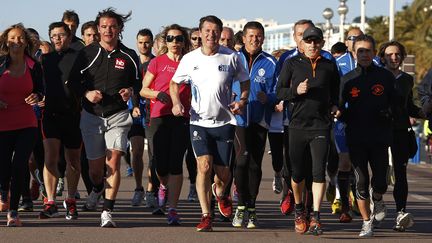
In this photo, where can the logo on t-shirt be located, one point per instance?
(223, 68)
(377, 89)
(354, 92)
(119, 63)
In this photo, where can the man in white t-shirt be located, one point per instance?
(211, 71)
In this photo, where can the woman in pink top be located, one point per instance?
(20, 88)
(170, 134)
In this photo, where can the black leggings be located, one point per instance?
(308, 149)
(249, 146)
(170, 141)
(377, 156)
(15, 149)
(400, 156)
(276, 141)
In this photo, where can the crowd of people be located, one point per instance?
(74, 107)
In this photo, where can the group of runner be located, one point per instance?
(204, 94)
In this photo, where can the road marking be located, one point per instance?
(419, 197)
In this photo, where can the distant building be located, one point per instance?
(280, 36)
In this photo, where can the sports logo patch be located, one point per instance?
(261, 72)
(377, 89)
(119, 63)
(354, 92)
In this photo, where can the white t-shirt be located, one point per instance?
(211, 79)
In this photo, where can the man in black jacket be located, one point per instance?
(367, 99)
(60, 121)
(103, 75)
(310, 83)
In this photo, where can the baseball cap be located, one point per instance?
(313, 33)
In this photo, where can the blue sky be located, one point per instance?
(154, 14)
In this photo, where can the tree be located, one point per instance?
(413, 28)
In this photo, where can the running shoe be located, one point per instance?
(315, 227)
(13, 219)
(277, 184)
(151, 200)
(162, 196)
(205, 225)
(300, 223)
(224, 203)
(367, 228)
(403, 221)
(60, 187)
(252, 218)
(193, 196)
(345, 217)
(34, 190)
(92, 201)
(239, 217)
(26, 206)
(287, 204)
(336, 206)
(71, 209)
(106, 220)
(49, 211)
(129, 171)
(173, 217)
(331, 193)
(77, 195)
(137, 198)
(378, 208)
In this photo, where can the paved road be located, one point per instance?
(136, 224)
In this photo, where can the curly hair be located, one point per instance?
(32, 42)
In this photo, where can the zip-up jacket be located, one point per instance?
(367, 100)
(309, 111)
(405, 107)
(285, 56)
(97, 69)
(425, 95)
(58, 96)
(262, 79)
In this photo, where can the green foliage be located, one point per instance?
(413, 28)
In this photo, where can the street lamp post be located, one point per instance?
(391, 19)
(328, 15)
(342, 10)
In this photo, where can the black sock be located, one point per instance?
(316, 215)
(299, 208)
(108, 205)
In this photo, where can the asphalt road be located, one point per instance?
(137, 224)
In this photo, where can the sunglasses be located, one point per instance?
(177, 38)
(310, 41)
(351, 38)
(196, 38)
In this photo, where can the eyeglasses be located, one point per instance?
(177, 38)
(196, 38)
(59, 35)
(351, 38)
(310, 41)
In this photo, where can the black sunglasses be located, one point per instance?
(177, 38)
(196, 38)
(351, 38)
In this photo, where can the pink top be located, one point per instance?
(163, 69)
(13, 91)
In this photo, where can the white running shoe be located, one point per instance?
(106, 220)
